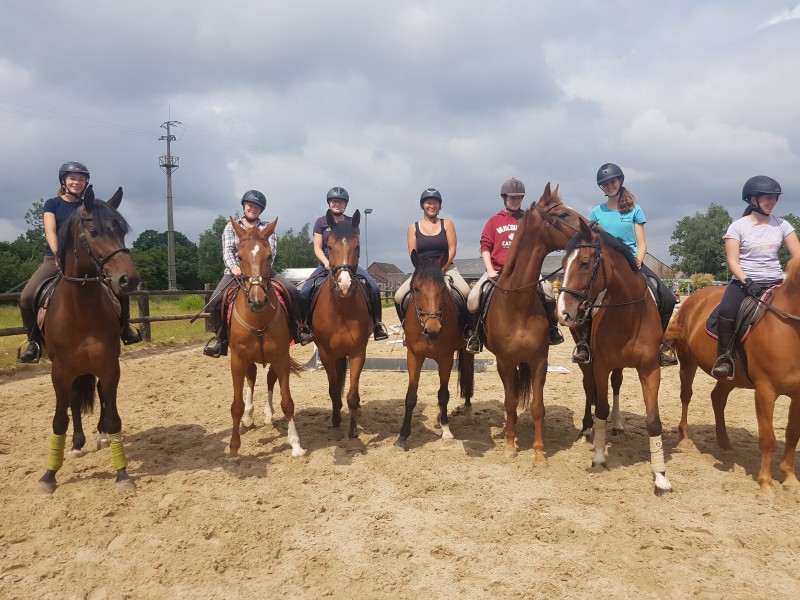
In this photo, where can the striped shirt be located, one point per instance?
(230, 245)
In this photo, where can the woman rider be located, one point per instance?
(751, 250)
(432, 237)
(337, 203)
(620, 216)
(253, 204)
(73, 178)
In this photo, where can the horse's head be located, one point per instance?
(255, 261)
(343, 251)
(91, 246)
(559, 221)
(428, 290)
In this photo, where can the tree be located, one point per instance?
(783, 253)
(209, 252)
(149, 252)
(699, 247)
(34, 236)
(295, 251)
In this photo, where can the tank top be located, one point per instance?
(431, 246)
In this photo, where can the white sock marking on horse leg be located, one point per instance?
(247, 417)
(294, 440)
(616, 415)
(599, 458)
(269, 410)
(446, 433)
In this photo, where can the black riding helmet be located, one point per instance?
(512, 187)
(72, 167)
(430, 193)
(760, 185)
(255, 197)
(609, 171)
(338, 193)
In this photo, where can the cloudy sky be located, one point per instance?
(690, 97)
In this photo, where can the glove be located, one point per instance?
(753, 288)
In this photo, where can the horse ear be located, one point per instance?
(356, 219)
(585, 229)
(415, 258)
(116, 199)
(269, 229)
(238, 229)
(88, 198)
(329, 218)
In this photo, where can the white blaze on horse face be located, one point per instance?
(562, 311)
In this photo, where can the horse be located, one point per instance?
(81, 333)
(433, 331)
(773, 340)
(341, 321)
(516, 324)
(259, 333)
(601, 275)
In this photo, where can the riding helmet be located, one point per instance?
(255, 197)
(72, 167)
(430, 193)
(609, 171)
(759, 186)
(512, 187)
(338, 193)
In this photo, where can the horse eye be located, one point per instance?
(93, 233)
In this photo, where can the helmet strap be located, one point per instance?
(249, 220)
(757, 208)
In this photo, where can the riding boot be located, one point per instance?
(474, 344)
(399, 309)
(218, 345)
(667, 357)
(301, 331)
(723, 367)
(554, 335)
(32, 351)
(582, 355)
(378, 330)
(128, 333)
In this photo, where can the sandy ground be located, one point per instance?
(368, 520)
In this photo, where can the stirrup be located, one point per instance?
(130, 335)
(666, 355)
(577, 354)
(474, 344)
(31, 354)
(213, 348)
(723, 360)
(305, 337)
(379, 332)
(554, 337)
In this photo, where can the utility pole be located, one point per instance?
(168, 164)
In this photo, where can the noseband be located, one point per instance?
(583, 295)
(422, 316)
(99, 262)
(247, 282)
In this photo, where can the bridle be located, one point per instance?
(333, 275)
(99, 262)
(422, 316)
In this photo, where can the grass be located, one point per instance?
(164, 334)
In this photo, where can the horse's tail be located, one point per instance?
(677, 335)
(523, 384)
(466, 374)
(83, 390)
(295, 368)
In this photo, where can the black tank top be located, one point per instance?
(431, 246)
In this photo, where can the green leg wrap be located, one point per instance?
(56, 457)
(118, 460)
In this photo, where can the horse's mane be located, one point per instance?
(106, 220)
(792, 274)
(614, 242)
(428, 270)
(513, 251)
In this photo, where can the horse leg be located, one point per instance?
(601, 412)
(247, 415)
(335, 370)
(506, 371)
(443, 395)
(238, 370)
(55, 458)
(688, 369)
(790, 482)
(414, 367)
(650, 378)
(287, 406)
(269, 408)
(719, 400)
(537, 413)
(353, 398)
(617, 428)
(78, 437)
(112, 424)
(589, 393)
(765, 408)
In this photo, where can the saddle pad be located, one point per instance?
(229, 305)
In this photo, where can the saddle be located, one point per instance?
(749, 313)
(359, 280)
(459, 302)
(43, 294)
(229, 299)
(486, 294)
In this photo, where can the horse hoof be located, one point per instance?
(599, 466)
(585, 436)
(76, 453)
(47, 487)
(661, 492)
(233, 456)
(400, 444)
(126, 486)
(247, 423)
(298, 451)
(510, 453)
(102, 443)
(541, 464)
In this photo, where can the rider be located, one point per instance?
(253, 204)
(498, 233)
(337, 203)
(73, 178)
(432, 237)
(751, 250)
(620, 216)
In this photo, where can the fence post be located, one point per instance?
(206, 300)
(144, 311)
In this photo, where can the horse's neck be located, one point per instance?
(527, 266)
(623, 282)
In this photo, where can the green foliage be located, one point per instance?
(699, 247)
(192, 303)
(783, 253)
(149, 252)
(209, 252)
(20, 258)
(295, 250)
(701, 280)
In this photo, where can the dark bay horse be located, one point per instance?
(341, 321)
(432, 331)
(516, 324)
(259, 333)
(601, 275)
(81, 334)
(772, 346)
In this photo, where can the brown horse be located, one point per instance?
(341, 320)
(81, 335)
(433, 331)
(259, 332)
(601, 275)
(516, 324)
(771, 346)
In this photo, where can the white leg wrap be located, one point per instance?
(247, 417)
(294, 440)
(599, 442)
(616, 416)
(268, 409)
(656, 455)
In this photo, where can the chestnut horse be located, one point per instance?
(259, 332)
(81, 334)
(516, 325)
(341, 321)
(772, 345)
(433, 331)
(601, 275)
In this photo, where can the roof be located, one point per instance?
(473, 268)
(387, 267)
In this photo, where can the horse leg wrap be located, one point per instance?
(656, 454)
(56, 457)
(118, 460)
